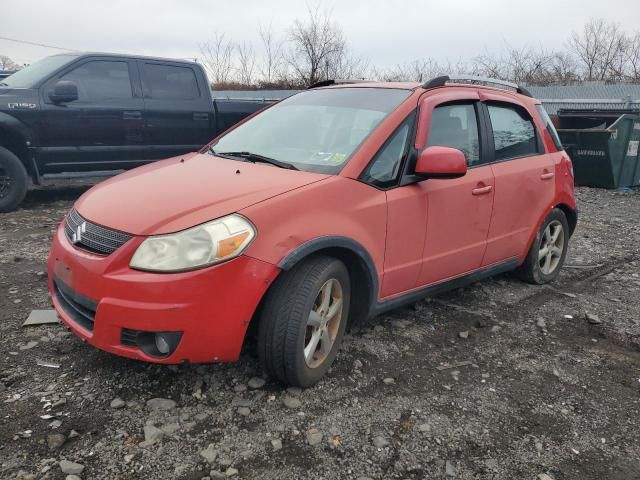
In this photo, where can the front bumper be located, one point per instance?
(211, 306)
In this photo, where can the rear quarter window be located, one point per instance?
(548, 125)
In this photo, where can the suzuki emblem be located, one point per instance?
(77, 235)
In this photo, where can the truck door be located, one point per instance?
(102, 129)
(178, 108)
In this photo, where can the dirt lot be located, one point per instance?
(534, 389)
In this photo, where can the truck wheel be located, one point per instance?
(303, 321)
(548, 251)
(13, 181)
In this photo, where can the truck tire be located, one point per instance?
(13, 181)
(303, 321)
(548, 250)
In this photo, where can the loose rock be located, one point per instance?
(210, 453)
(55, 440)
(593, 319)
(117, 403)
(314, 437)
(161, 404)
(291, 402)
(256, 382)
(380, 442)
(276, 444)
(71, 468)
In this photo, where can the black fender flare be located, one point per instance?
(16, 128)
(336, 242)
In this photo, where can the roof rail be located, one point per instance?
(473, 79)
(326, 83)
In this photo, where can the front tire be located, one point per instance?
(13, 181)
(303, 321)
(548, 251)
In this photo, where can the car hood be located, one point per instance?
(178, 193)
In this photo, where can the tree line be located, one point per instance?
(315, 48)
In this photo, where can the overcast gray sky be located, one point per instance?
(385, 32)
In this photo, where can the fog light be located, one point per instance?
(161, 344)
(158, 344)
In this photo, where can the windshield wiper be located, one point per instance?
(2, 84)
(255, 157)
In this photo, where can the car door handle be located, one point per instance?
(546, 176)
(482, 190)
(200, 116)
(132, 115)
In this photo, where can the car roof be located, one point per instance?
(419, 86)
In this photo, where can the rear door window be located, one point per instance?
(514, 134)
(170, 82)
(456, 126)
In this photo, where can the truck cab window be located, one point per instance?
(167, 82)
(101, 80)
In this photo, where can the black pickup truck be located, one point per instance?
(82, 113)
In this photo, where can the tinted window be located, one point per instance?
(513, 132)
(549, 126)
(384, 168)
(456, 126)
(101, 80)
(171, 83)
(316, 130)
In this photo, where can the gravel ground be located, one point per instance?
(499, 380)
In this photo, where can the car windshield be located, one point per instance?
(316, 130)
(29, 76)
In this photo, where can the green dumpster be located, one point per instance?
(605, 157)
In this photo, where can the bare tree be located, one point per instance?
(317, 45)
(272, 60)
(246, 63)
(564, 69)
(7, 64)
(632, 58)
(217, 58)
(600, 49)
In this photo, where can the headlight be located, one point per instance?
(197, 247)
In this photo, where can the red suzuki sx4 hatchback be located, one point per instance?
(343, 201)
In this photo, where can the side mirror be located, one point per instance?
(441, 162)
(64, 91)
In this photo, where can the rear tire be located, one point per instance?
(548, 251)
(13, 181)
(303, 321)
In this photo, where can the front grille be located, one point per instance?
(91, 237)
(80, 309)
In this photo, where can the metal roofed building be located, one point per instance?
(588, 96)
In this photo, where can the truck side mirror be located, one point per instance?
(64, 91)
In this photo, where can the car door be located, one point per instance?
(459, 210)
(524, 177)
(103, 128)
(436, 228)
(178, 109)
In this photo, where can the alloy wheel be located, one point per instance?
(323, 323)
(551, 247)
